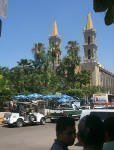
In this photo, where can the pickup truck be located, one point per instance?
(69, 112)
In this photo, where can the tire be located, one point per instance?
(19, 123)
(32, 118)
(42, 121)
(10, 125)
(53, 121)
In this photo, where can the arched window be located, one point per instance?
(89, 54)
(88, 39)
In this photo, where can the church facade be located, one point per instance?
(99, 76)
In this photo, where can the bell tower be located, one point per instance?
(54, 47)
(90, 47)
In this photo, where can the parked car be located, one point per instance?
(107, 107)
(65, 111)
(102, 113)
(55, 116)
(103, 107)
(84, 107)
(25, 113)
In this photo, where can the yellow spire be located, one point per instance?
(54, 29)
(89, 24)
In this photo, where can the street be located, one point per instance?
(37, 137)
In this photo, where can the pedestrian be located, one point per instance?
(11, 105)
(65, 133)
(109, 134)
(91, 133)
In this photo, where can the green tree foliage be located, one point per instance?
(35, 76)
(6, 90)
(83, 78)
(69, 77)
(76, 92)
(73, 52)
(105, 6)
(28, 77)
(71, 61)
(39, 55)
(54, 52)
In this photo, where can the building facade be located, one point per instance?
(99, 76)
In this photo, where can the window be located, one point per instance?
(88, 39)
(89, 54)
(103, 115)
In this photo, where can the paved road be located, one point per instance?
(39, 137)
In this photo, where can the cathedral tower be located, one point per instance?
(90, 63)
(90, 48)
(54, 47)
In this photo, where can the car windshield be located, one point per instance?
(103, 115)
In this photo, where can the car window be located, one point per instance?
(107, 107)
(110, 114)
(110, 107)
(103, 115)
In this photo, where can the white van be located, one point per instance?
(102, 113)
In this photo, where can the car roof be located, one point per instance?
(88, 111)
(26, 103)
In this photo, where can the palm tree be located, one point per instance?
(72, 60)
(39, 52)
(72, 51)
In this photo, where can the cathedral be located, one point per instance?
(99, 76)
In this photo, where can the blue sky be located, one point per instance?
(30, 21)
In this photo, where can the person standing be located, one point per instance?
(91, 133)
(65, 133)
(109, 134)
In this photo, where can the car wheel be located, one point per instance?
(42, 121)
(10, 125)
(19, 123)
(53, 121)
(32, 118)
